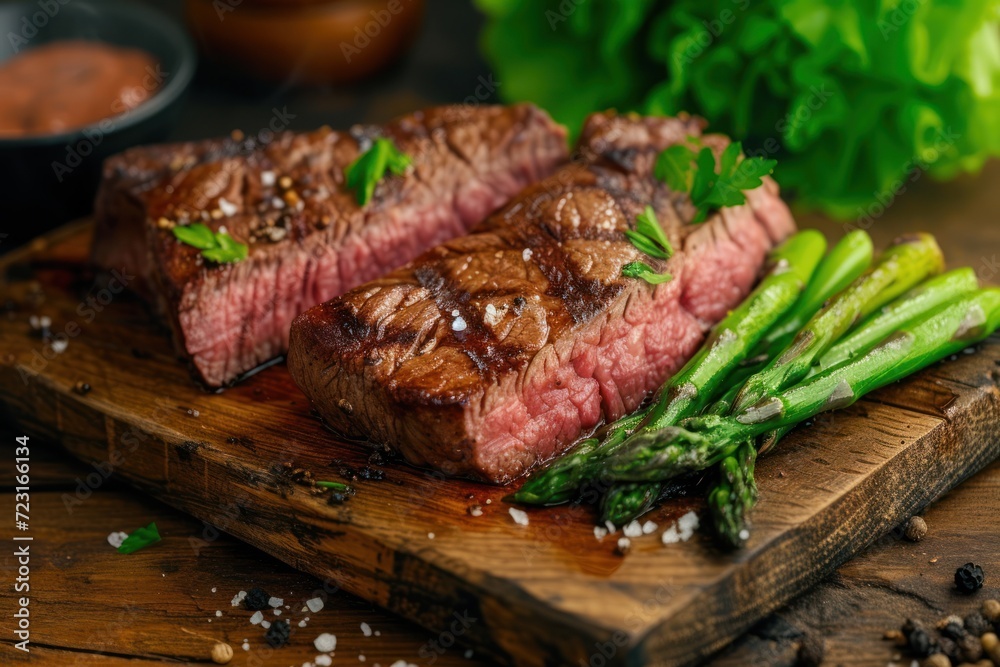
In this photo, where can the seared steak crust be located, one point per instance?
(493, 351)
(309, 240)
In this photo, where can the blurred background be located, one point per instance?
(856, 100)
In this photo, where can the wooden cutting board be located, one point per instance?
(543, 594)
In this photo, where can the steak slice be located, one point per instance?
(492, 352)
(309, 240)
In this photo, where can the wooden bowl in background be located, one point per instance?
(310, 42)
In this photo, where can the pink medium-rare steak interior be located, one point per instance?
(493, 352)
(309, 239)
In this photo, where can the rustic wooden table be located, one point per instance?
(91, 606)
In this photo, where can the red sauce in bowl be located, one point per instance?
(70, 84)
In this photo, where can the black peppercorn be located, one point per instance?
(920, 643)
(277, 634)
(969, 578)
(910, 625)
(256, 599)
(953, 631)
(336, 498)
(977, 625)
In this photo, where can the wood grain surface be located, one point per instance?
(546, 593)
(92, 606)
(169, 587)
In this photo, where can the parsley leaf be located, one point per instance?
(650, 239)
(197, 235)
(646, 272)
(685, 171)
(140, 538)
(673, 167)
(370, 167)
(336, 486)
(215, 246)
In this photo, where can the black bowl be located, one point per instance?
(49, 179)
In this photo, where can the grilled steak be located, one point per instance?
(492, 352)
(309, 240)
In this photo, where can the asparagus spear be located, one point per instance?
(901, 312)
(690, 389)
(704, 441)
(729, 503)
(843, 264)
(559, 482)
(729, 509)
(735, 495)
(900, 267)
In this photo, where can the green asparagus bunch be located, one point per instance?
(699, 442)
(815, 335)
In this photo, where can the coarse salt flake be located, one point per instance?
(267, 178)
(315, 604)
(526, 255)
(275, 602)
(520, 516)
(238, 598)
(682, 530)
(265, 624)
(277, 612)
(648, 528)
(116, 539)
(459, 324)
(218, 612)
(687, 525)
(257, 618)
(600, 532)
(633, 529)
(246, 646)
(214, 589)
(227, 207)
(323, 660)
(366, 630)
(493, 315)
(325, 643)
(59, 345)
